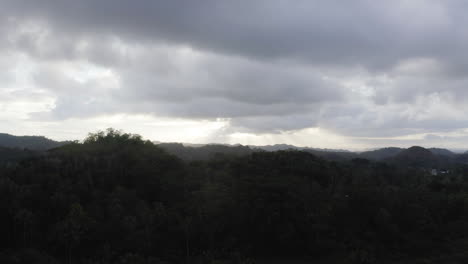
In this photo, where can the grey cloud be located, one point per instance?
(265, 65)
(273, 124)
(406, 89)
(359, 32)
(212, 86)
(211, 108)
(432, 137)
(231, 79)
(358, 120)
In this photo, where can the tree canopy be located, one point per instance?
(116, 198)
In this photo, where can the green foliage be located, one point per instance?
(112, 136)
(115, 198)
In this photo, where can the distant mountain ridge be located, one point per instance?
(380, 154)
(29, 142)
(433, 158)
(277, 147)
(414, 156)
(204, 152)
(442, 152)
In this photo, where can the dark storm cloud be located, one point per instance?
(189, 84)
(356, 32)
(233, 79)
(356, 67)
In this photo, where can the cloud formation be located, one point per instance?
(359, 69)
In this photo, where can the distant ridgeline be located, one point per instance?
(204, 152)
(412, 157)
(16, 148)
(24, 146)
(29, 142)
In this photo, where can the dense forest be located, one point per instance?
(116, 198)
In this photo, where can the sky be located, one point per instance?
(320, 73)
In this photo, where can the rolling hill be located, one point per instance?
(29, 142)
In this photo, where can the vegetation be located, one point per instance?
(205, 152)
(28, 142)
(116, 198)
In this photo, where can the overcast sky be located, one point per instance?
(331, 74)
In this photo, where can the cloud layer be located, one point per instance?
(360, 70)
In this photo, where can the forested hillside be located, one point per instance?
(204, 152)
(28, 142)
(116, 198)
(11, 156)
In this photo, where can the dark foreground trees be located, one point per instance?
(116, 198)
